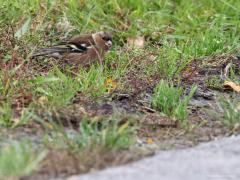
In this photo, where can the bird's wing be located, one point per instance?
(81, 42)
(77, 44)
(58, 50)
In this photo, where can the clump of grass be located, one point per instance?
(230, 110)
(214, 82)
(92, 82)
(19, 159)
(233, 74)
(109, 134)
(169, 100)
(5, 114)
(167, 60)
(57, 88)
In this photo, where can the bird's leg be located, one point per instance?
(99, 55)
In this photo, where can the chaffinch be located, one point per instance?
(80, 50)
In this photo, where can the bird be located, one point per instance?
(84, 49)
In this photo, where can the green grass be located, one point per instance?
(19, 159)
(107, 133)
(176, 32)
(200, 28)
(57, 87)
(229, 111)
(5, 114)
(214, 82)
(171, 101)
(187, 30)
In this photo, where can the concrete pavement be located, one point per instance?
(216, 160)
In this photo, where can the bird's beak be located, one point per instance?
(109, 43)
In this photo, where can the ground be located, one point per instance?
(170, 81)
(212, 160)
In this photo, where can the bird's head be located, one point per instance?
(103, 40)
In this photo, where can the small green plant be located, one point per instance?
(19, 159)
(214, 82)
(109, 134)
(230, 110)
(5, 114)
(25, 117)
(234, 74)
(167, 60)
(92, 82)
(169, 100)
(57, 88)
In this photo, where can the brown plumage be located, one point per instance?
(81, 50)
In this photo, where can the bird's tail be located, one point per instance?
(51, 51)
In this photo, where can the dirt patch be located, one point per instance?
(61, 163)
(201, 71)
(73, 114)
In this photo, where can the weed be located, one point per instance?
(5, 114)
(214, 82)
(57, 88)
(169, 100)
(229, 110)
(92, 82)
(109, 134)
(19, 159)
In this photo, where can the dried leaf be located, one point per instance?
(138, 41)
(150, 141)
(123, 127)
(111, 85)
(238, 106)
(236, 127)
(16, 121)
(232, 85)
(64, 25)
(49, 125)
(169, 30)
(42, 100)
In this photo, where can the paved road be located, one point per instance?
(217, 160)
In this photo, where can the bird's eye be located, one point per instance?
(105, 38)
